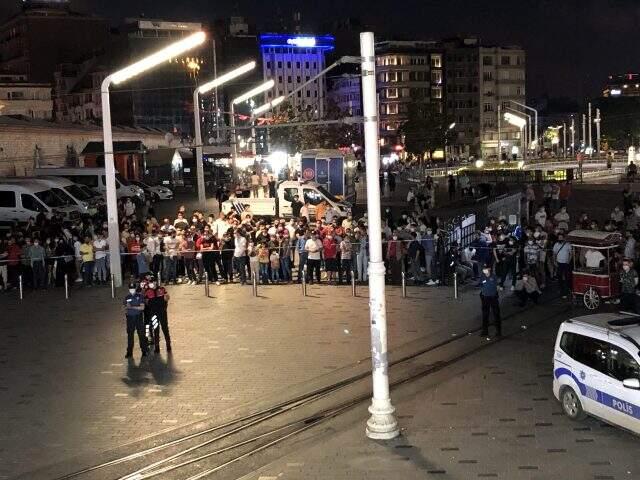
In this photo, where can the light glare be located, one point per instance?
(226, 77)
(253, 92)
(268, 106)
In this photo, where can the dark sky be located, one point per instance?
(571, 45)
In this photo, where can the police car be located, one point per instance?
(596, 368)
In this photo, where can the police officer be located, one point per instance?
(134, 307)
(157, 300)
(490, 301)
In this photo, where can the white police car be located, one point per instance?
(596, 368)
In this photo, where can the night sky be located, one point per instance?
(572, 45)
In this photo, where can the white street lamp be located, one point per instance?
(535, 112)
(519, 122)
(382, 424)
(204, 88)
(147, 63)
(243, 98)
(268, 106)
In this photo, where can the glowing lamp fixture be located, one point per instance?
(515, 120)
(268, 106)
(253, 92)
(206, 87)
(161, 56)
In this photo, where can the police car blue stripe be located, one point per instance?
(601, 397)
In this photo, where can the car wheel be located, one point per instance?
(571, 405)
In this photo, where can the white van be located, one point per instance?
(20, 201)
(64, 188)
(94, 178)
(596, 368)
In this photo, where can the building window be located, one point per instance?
(392, 93)
(519, 60)
(504, 75)
(306, 64)
(279, 64)
(436, 76)
(392, 109)
(289, 79)
(505, 60)
(288, 64)
(436, 61)
(506, 105)
(520, 91)
(488, 107)
(436, 92)
(487, 60)
(487, 76)
(392, 76)
(279, 78)
(315, 65)
(308, 93)
(268, 64)
(298, 79)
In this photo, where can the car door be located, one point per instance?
(622, 401)
(31, 206)
(8, 206)
(591, 354)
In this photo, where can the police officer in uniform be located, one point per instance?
(157, 300)
(490, 301)
(134, 307)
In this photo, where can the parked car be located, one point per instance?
(155, 192)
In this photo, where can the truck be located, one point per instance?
(308, 192)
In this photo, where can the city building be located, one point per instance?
(480, 82)
(20, 97)
(624, 85)
(292, 60)
(77, 92)
(407, 71)
(345, 92)
(45, 34)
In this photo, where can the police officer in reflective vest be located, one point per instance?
(157, 299)
(134, 307)
(490, 301)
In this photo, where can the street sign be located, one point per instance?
(308, 173)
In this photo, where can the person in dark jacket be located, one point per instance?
(489, 301)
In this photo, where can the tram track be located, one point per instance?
(251, 434)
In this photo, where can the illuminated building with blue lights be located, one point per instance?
(292, 60)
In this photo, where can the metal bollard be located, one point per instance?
(404, 285)
(455, 285)
(206, 284)
(254, 279)
(353, 285)
(304, 281)
(113, 286)
(20, 285)
(159, 279)
(66, 286)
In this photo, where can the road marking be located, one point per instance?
(169, 421)
(119, 418)
(186, 361)
(106, 372)
(243, 349)
(116, 364)
(154, 390)
(121, 394)
(200, 414)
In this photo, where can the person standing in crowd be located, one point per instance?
(395, 258)
(274, 261)
(362, 255)
(255, 184)
(171, 257)
(38, 265)
(562, 260)
(134, 307)
(263, 263)
(628, 285)
(129, 209)
(264, 181)
(76, 255)
(313, 247)
(346, 250)
(86, 250)
(187, 250)
(489, 301)
(296, 206)
(100, 248)
(285, 256)
(4, 276)
(226, 252)
(451, 182)
(330, 253)
(239, 255)
(301, 242)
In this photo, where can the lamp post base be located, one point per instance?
(382, 425)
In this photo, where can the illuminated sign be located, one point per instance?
(616, 91)
(318, 42)
(302, 41)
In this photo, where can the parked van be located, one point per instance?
(596, 368)
(64, 188)
(94, 178)
(22, 200)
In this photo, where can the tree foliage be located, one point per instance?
(425, 129)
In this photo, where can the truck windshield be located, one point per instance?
(327, 194)
(50, 199)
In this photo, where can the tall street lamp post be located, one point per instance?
(171, 51)
(382, 424)
(207, 87)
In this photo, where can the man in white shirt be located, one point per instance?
(313, 247)
(562, 256)
(264, 180)
(171, 257)
(593, 258)
(239, 256)
(100, 247)
(541, 217)
(562, 219)
(220, 226)
(630, 247)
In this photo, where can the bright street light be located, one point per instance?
(515, 120)
(147, 63)
(204, 88)
(243, 98)
(452, 126)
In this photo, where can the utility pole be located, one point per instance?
(597, 120)
(499, 131)
(584, 130)
(573, 137)
(382, 425)
(590, 138)
(564, 140)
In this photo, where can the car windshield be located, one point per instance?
(327, 194)
(77, 192)
(50, 199)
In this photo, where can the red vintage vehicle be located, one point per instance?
(595, 274)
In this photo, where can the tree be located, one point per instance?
(426, 129)
(297, 138)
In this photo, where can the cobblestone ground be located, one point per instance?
(492, 415)
(67, 391)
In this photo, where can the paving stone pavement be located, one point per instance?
(492, 415)
(66, 390)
